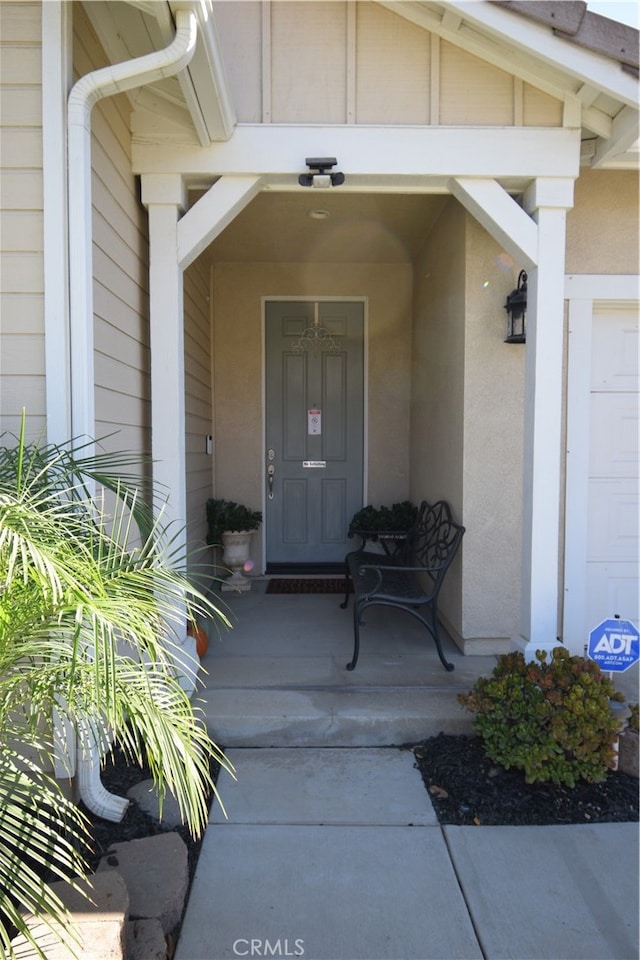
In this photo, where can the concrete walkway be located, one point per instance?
(335, 853)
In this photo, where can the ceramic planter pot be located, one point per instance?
(235, 555)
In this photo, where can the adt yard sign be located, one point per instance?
(614, 645)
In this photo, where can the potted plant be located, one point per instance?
(232, 525)
(398, 518)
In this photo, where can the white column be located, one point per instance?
(164, 196)
(547, 201)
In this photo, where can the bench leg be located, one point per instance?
(356, 637)
(347, 590)
(435, 633)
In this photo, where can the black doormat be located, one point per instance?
(305, 585)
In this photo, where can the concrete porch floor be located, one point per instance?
(279, 677)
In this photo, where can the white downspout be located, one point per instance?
(85, 93)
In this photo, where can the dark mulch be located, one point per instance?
(466, 787)
(118, 777)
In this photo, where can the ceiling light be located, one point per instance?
(319, 214)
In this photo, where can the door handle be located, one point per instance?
(270, 474)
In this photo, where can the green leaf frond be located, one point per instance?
(94, 601)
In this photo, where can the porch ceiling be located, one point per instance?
(360, 228)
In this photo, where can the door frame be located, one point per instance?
(364, 300)
(584, 294)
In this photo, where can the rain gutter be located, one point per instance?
(88, 90)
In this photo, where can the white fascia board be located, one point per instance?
(205, 84)
(589, 286)
(373, 151)
(538, 40)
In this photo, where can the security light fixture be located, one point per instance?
(516, 307)
(321, 174)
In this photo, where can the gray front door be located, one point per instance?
(314, 429)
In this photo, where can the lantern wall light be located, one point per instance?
(516, 307)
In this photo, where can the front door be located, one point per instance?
(314, 429)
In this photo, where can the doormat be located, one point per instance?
(306, 585)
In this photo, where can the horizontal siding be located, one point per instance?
(20, 105)
(21, 230)
(22, 361)
(21, 313)
(120, 267)
(21, 189)
(198, 401)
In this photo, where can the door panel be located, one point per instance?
(613, 541)
(314, 428)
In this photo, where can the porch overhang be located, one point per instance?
(401, 159)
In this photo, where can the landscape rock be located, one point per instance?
(145, 940)
(628, 752)
(99, 925)
(155, 870)
(145, 795)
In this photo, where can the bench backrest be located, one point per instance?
(434, 540)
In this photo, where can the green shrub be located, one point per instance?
(225, 515)
(634, 722)
(398, 517)
(550, 719)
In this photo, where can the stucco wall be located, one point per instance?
(466, 422)
(602, 227)
(437, 382)
(22, 358)
(238, 375)
(493, 447)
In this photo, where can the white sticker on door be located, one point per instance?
(314, 422)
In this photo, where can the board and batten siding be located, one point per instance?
(120, 267)
(365, 65)
(22, 355)
(198, 403)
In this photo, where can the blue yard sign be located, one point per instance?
(614, 645)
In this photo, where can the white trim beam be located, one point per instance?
(501, 216)
(212, 213)
(374, 151)
(602, 286)
(623, 136)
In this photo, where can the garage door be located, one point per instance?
(612, 585)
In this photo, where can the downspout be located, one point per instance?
(85, 93)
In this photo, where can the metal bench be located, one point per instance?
(410, 579)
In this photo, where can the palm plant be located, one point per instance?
(92, 607)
